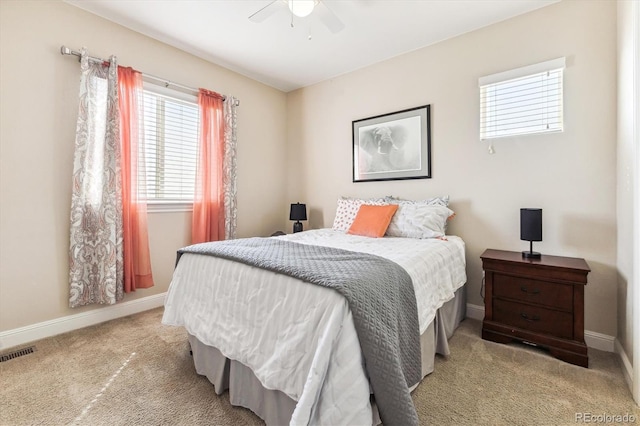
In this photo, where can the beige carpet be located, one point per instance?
(135, 371)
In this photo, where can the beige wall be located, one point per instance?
(38, 109)
(571, 175)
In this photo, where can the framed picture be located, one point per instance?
(393, 146)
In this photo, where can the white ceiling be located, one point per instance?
(283, 57)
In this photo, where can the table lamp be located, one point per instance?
(298, 213)
(531, 230)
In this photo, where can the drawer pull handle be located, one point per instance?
(534, 291)
(532, 319)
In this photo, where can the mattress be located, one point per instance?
(299, 338)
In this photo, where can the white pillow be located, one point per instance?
(419, 221)
(435, 201)
(348, 209)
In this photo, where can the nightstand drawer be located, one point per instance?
(533, 291)
(533, 318)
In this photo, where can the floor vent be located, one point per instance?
(15, 354)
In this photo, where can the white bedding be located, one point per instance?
(299, 338)
(435, 276)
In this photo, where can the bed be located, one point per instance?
(287, 349)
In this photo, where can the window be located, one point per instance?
(171, 123)
(522, 101)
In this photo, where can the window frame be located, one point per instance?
(155, 205)
(512, 76)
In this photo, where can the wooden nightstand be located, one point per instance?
(538, 301)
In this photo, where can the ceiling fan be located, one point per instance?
(301, 8)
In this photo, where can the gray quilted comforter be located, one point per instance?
(380, 295)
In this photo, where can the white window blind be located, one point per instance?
(171, 140)
(522, 101)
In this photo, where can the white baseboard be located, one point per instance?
(594, 340)
(475, 312)
(30, 333)
(627, 369)
(599, 341)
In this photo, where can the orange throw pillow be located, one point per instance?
(372, 221)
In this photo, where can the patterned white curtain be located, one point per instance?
(95, 253)
(230, 144)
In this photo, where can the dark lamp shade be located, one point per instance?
(531, 224)
(298, 212)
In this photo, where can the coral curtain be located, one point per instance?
(229, 167)
(208, 222)
(95, 251)
(137, 260)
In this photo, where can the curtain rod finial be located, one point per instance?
(64, 50)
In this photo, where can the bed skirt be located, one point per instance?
(275, 407)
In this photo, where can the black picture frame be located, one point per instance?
(394, 146)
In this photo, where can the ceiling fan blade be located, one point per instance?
(329, 18)
(266, 11)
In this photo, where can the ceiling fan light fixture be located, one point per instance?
(301, 8)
